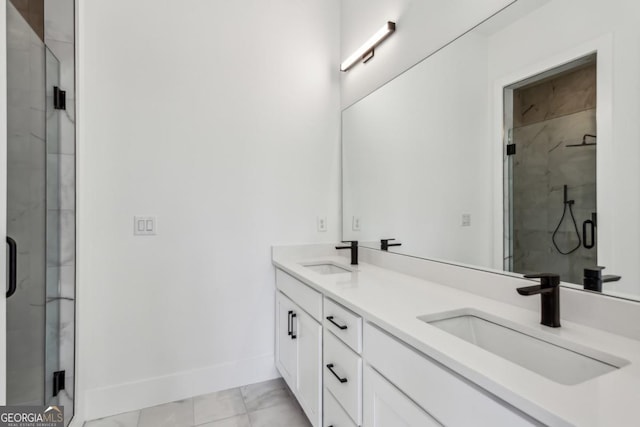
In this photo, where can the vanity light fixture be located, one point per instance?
(366, 51)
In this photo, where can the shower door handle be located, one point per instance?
(13, 266)
(592, 225)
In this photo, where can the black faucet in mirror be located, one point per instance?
(593, 278)
(385, 245)
(549, 290)
(354, 250)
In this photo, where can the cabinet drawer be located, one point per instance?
(385, 405)
(307, 298)
(451, 399)
(334, 414)
(344, 323)
(343, 375)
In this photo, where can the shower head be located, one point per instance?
(584, 142)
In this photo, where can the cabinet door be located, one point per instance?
(286, 345)
(385, 405)
(309, 336)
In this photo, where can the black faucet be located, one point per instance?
(354, 250)
(385, 245)
(549, 290)
(593, 278)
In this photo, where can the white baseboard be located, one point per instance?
(76, 422)
(117, 399)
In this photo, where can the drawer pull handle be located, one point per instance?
(330, 367)
(293, 334)
(289, 322)
(342, 327)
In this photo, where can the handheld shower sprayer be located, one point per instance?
(567, 203)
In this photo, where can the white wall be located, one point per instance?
(422, 27)
(573, 27)
(222, 119)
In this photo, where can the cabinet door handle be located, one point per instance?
(293, 333)
(330, 367)
(289, 322)
(341, 327)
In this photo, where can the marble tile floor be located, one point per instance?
(266, 404)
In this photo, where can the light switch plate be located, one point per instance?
(466, 220)
(144, 225)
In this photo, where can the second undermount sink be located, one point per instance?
(548, 355)
(326, 267)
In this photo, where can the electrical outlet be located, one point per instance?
(144, 225)
(466, 220)
(355, 225)
(322, 223)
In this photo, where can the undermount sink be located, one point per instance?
(327, 268)
(548, 355)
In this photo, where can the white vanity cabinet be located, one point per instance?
(347, 372)
(299, 349)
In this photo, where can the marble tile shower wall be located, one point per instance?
(548, 117)
(59, 37)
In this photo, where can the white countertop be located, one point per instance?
(393, 301)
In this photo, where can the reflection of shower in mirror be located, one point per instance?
(551, 114)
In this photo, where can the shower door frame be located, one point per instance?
(3, 205)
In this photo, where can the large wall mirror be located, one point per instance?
(515, 148)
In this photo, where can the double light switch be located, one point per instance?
(144, 225)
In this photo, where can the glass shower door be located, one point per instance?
(32, 222)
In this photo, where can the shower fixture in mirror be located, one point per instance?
(513, 149)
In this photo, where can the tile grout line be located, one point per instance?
(193, 409)
(246, 410)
